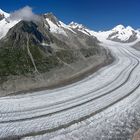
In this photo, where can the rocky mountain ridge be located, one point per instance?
(118, 33)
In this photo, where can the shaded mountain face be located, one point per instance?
(1, 16)
(21, 51)
(137, 46)
(37, 47)
(17, 36)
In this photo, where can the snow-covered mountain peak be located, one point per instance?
(119, 33)
(4, 13)
(75, 25)
(123, 34)
(56, 26)
(118, 28)
(51, 17)
(80, 27)
(5, 24)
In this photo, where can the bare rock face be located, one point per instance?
(137, 135)
(1, 16)
(137, 46)
(52, 18)
(16, 37)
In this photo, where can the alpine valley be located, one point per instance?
(67, 82)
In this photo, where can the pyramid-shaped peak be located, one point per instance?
(51, 17)
(119, 27)
(122, 28)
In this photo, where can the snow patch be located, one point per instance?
(5, 13)
(5, 26)
(55, 29)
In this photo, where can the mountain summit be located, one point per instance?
(123, 34)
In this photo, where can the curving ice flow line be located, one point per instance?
(92, 95)
(48, 111)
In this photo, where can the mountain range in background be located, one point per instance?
(118, 33)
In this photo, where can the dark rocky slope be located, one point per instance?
(31, 56)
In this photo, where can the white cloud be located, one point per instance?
(25, 13)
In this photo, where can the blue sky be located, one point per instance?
(95, 14)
